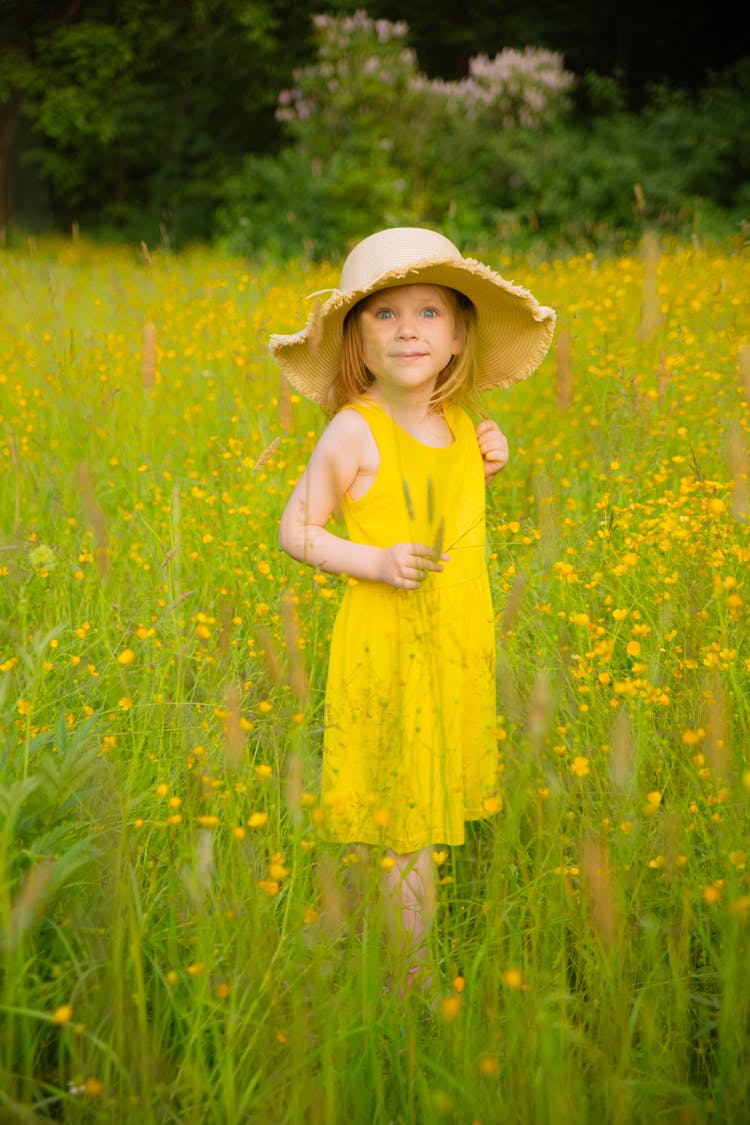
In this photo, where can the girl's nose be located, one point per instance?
(406, 329)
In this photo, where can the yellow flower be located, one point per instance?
(196, 969)
(653, 801)
(449, 1008)
(92, 1087)
(257, 819)
(127, 656)
(489, 1066)
(277, 869)
(581, 619)
(63, 1014)
(513, 979)
(580, 766)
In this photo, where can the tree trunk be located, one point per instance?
(9, 121)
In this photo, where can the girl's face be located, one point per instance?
(409, 335)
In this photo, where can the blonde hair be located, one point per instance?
(456, 382)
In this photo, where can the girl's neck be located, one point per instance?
(420, 418)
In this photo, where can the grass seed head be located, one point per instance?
(148, 356)
(564, 371)
(603, 904)
(235, 738)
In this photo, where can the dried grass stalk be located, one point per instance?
(294, 788)
(718, 730)
(744, 357)
(234, 733)
(738, 457)
(270, 654)
(95, 517)
(30, 900)
(513, 604)
(285, 405)
(297, 675)
(564, 371)
(267, 454)
(604, 909)
(148, 358)
(650, 306)
(622, 751)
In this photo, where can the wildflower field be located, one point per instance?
(178, 944)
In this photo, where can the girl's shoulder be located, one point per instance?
(346, 432)
(349, 420)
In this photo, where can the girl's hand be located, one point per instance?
(493, 446)
(406, 565)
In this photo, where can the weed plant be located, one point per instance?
(179, 944)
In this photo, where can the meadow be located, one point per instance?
(179, 944)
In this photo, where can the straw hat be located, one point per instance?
(513, 331)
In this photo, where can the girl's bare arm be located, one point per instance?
(331, 471)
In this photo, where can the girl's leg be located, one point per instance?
(409, 908)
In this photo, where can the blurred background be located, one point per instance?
(287, 126)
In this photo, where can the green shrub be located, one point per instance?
(372, 141)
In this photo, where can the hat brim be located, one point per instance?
(513, 331)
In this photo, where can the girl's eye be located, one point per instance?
(383, 314)
(430, 312)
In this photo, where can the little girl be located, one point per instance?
(409, 747)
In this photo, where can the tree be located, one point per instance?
(134, 111)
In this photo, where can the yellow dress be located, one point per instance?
(410, 751)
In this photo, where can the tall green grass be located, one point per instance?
(178, 944)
